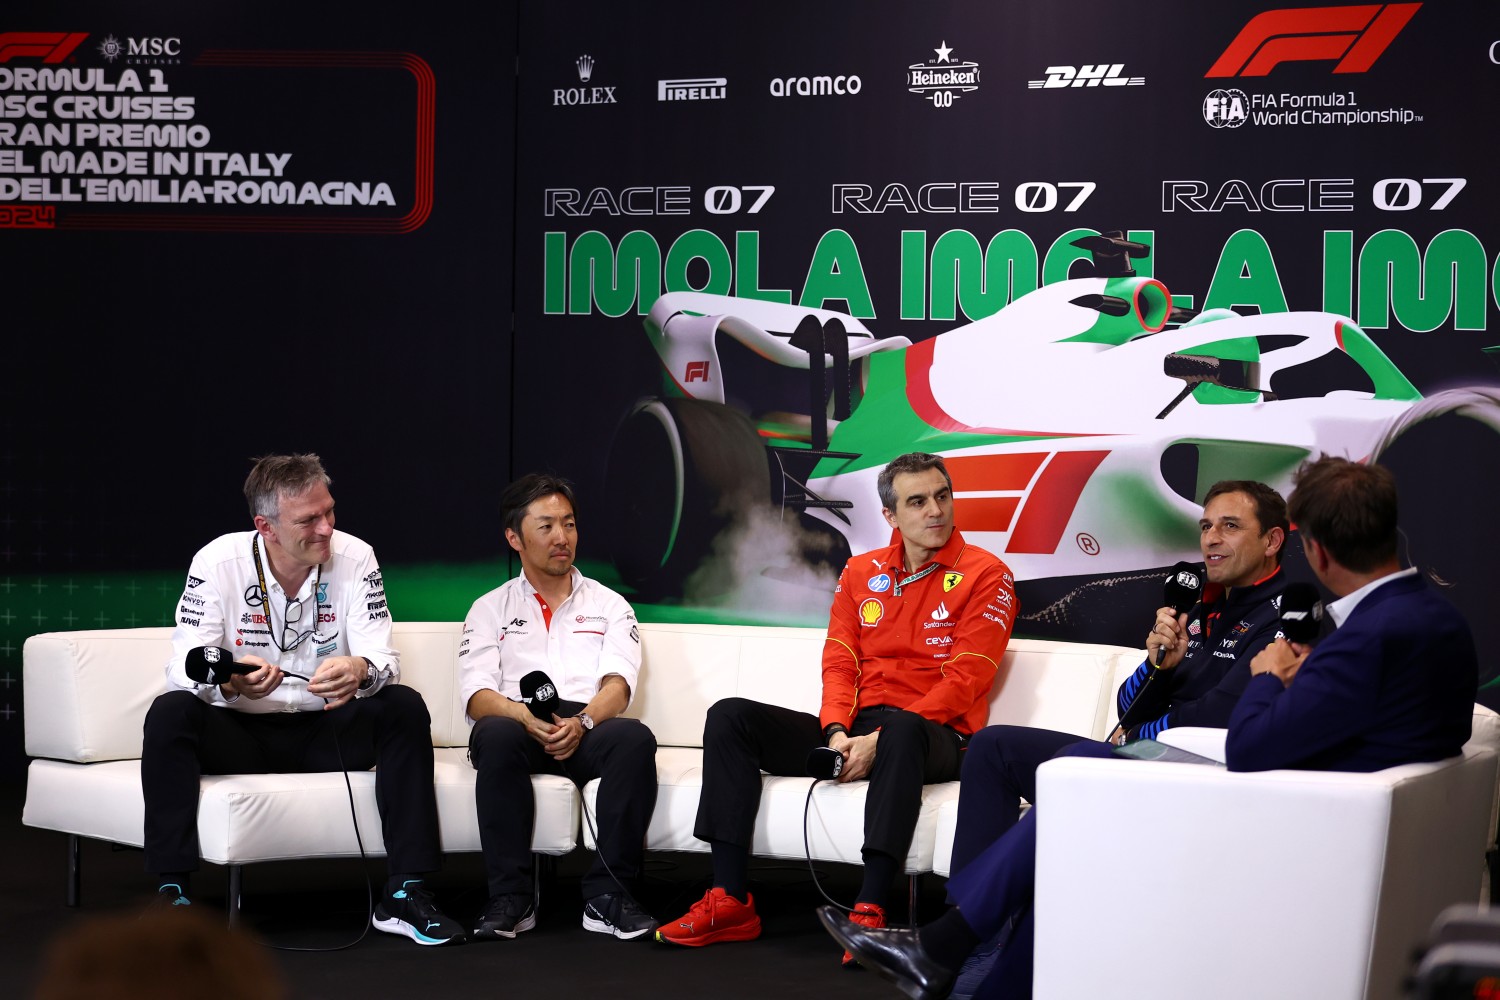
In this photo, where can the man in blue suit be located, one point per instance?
(1394, 684)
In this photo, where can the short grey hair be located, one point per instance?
(912, 461)
(276, 475)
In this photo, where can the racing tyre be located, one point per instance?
(1445, 453)
(681, 472)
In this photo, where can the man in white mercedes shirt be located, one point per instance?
(570, 640)
(302, 609)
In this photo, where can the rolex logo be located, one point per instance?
(585, 68)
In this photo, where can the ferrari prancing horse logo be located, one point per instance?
(951, 580)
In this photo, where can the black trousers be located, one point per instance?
(742, 738)
(391, 731)
(999, 770)
(620, 752)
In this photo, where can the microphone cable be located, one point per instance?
(363, 858)
(807, 846)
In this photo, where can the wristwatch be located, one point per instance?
(831, 728)
(586, 719)
(370, 674)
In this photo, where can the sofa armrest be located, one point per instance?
(87, 692)
(1291, 883)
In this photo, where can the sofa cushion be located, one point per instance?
(265, 817)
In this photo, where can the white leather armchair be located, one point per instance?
(1185, 881)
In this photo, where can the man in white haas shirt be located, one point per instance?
(573, 644)
(302, 609)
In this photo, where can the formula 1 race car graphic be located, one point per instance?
(1082, 424)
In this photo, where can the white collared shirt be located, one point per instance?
(221, 605)
(1342, 608)
(593, 634)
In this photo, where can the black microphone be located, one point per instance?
(215, 665)
(540, 695)
(824, 763)
(1183, 589)
(1301, 613)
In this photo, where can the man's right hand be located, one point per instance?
(1169, 635)
(257, 683)
(536, 728)
(859, 754)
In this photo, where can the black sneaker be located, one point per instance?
(410, 910)
(169, 896)
(618, 914)
(505, 916)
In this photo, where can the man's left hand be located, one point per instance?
(859, 756)
(1281, 658)
(565, 738)
(337, 679)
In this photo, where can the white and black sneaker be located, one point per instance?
(411, 911)
(505, 916)
(618, 914)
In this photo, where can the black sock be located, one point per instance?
(180, 879)
(731, 869)
(880, 872)
(949, 939)
(395, 882)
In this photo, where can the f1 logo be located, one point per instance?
(697, 371)
(50, 46)
(1355, 36)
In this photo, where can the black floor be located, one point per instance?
(322, 904)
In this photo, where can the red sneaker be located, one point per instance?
(866, 915)
(716, 917)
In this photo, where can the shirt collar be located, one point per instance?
(573, 574)
(1215, 592)
(1342, 608)
(948, 555)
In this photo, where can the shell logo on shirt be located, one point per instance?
(870, 612)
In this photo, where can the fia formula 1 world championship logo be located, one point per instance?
(1355, 36)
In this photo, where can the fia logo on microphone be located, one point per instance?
(545, 693)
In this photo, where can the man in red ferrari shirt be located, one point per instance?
(915, 638)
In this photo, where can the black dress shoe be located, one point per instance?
(895, 955)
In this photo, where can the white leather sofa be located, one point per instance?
(1179, 881)
(87, 694)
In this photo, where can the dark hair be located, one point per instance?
(527, 490)
(912, 461)
(1348, 508)
(275, 476)
(1270, 509)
